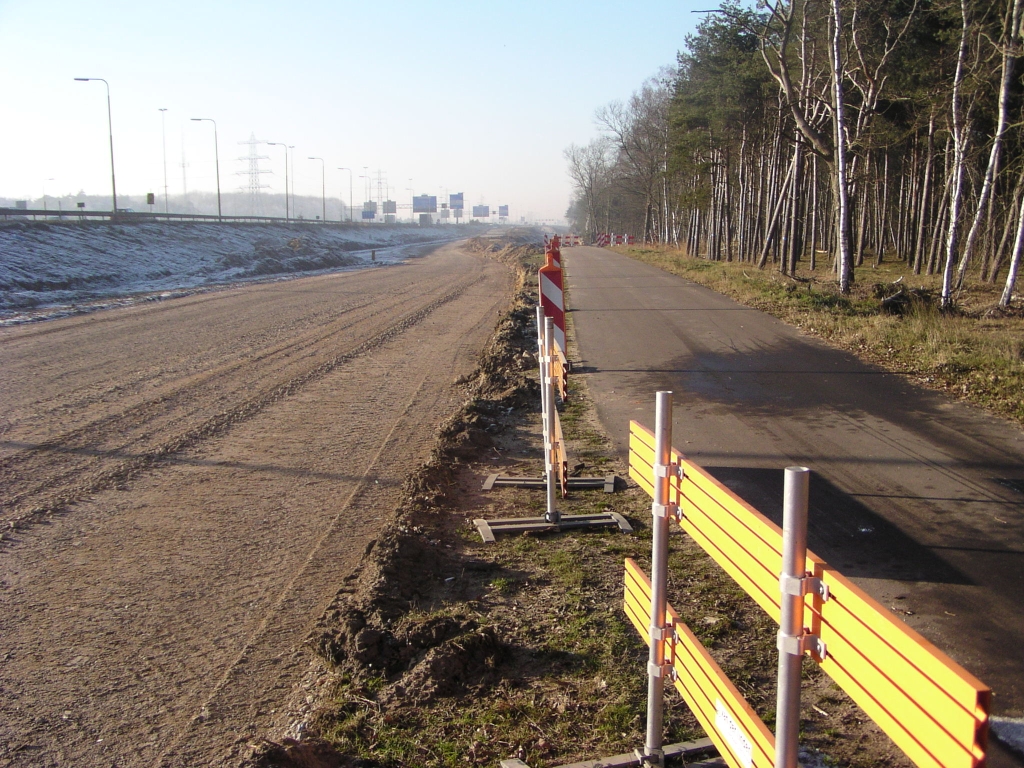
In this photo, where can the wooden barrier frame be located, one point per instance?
(932, 708)
(560, 457)
(560, 372)
(738, 733)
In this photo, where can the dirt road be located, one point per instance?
(186, 484)
(919, 499)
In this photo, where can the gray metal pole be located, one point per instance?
(551, 515)
(794, 559)
(659, 580)
(110, 133)
(216, 158)
(163, 133)
(540, 357)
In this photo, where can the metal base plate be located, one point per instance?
(607, 483)
(684, 749)
(490, 528)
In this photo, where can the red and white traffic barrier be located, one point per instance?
(552, 295)
(605, 239)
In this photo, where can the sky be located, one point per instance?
(438, 97)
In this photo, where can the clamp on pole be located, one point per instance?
(798, 645)
(660, 670)
(669, 470)
(798, 586)
(669, 510)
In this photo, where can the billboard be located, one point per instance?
(390, 206)
(424, 204)
(455, 201)
(481, 211)
(369, 206)
(369, 214)
(503, 210)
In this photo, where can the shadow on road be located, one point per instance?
(843, 531)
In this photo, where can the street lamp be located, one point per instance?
(216, 155)
(110, 130)
(323, 185)
(279, 144)
(163, 131)
(349, 192)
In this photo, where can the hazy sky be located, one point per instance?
(466, 97)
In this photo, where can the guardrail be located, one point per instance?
(137, 216)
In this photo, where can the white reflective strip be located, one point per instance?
(551, 292)
(560, 338)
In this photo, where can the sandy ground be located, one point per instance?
(186, 484)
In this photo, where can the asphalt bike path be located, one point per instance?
(918, 498)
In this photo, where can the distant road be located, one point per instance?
(919, 499)
(190, 482)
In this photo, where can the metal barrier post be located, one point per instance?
(540, 328)
(551, 515)
(544, 360)
(792, 583)
(654, 754)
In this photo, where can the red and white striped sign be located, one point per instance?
(604, 240)
(552, 296)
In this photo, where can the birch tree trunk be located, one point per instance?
(1009, 43)
(959, 166)
(844, 265)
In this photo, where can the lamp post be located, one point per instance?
(163, 131)
(323, 186)
(349, 192)
(110, 131)
(216, 155)
(279, 144)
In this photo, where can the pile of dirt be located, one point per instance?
(371, 631)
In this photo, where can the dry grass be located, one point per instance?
(975, 353)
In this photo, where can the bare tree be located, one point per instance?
(588, 168)
(639, 129)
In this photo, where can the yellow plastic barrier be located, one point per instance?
(740, 735)
(560, 372)
(932, 708)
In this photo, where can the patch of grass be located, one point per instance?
(502, 585)
(971, 353)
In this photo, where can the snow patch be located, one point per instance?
(52, 269)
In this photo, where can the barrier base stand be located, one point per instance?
(607, 483)
(681, 750)
(489, 528)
